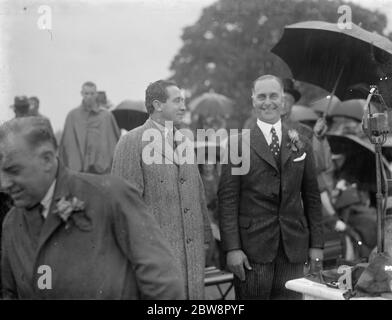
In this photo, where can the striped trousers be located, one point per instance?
(267, 281)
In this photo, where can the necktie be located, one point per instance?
(274, 146)
(173, 145)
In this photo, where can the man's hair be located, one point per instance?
(89, 84)
(157, 91)
(35, 130)
(268, 77)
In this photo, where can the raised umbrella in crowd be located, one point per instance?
(335, 59)
(130, 114)
(211, 104)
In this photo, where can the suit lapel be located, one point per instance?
(163, 148)
(285, 150)
(260, 146)
(53, 220)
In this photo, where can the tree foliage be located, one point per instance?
(229, 46)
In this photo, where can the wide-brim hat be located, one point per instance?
(21, 103)
(288, 86)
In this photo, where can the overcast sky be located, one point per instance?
(120, 45)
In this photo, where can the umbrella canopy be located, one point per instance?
(321, 53)
(360, 164)
(212, 104)
(130, 114)
(302, 113)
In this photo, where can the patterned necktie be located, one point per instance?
(173, 145)
(274, 146)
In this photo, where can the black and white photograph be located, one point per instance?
(214, 151)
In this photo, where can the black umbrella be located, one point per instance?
(130, 114)
(335, 59)
(360, 164)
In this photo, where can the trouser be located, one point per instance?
(266, 281)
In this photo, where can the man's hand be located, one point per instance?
(340, 226)
(236, 259)
(316, 257)
(320, 128)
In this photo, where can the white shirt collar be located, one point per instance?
(266, 130)
(164, 129)
(47, 200)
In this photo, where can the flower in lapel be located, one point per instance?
(65, 208)
(295, 143)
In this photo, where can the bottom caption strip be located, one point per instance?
(196, 309)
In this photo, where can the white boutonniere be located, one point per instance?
(295, 143)
(65, 208)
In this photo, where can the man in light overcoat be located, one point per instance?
(173, 190)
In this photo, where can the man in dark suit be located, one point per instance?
(270, 216)
(73, 235)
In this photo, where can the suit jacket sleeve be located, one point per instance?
(157, 274)
(311, 200)
(127, 161)
(228, 200)
(7, 282)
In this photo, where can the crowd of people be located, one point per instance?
(111, 225)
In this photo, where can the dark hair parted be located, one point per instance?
(157, 91)
(35, 130)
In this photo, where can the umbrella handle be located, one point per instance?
(333, 92)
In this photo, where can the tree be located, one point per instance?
(229, 46)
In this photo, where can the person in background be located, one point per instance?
(292, 96)
(102, 100)
(90, 135)
(325, 171)
(21, 106)
(210, 178)
(34, 106)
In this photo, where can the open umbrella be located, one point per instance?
(130, 114)
(360, 164)
(302, 113)
(212, 104)
(321, 53)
